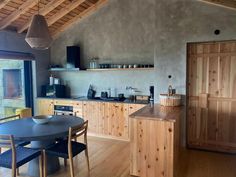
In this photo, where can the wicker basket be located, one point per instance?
(170, 100)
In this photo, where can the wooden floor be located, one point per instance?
(110, 158)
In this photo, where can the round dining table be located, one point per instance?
(41, 136)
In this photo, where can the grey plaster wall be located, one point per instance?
(11, 41)
(122, 32)
(145, 31)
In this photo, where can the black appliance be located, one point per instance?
(151, 89)
(73, 57)
(63, 110)
(91, 92)
(53, 91)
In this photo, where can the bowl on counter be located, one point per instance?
(41, 119)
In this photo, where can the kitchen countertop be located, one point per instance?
(158, 112)
(97, 100)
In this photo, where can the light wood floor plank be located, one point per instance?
(110, 158)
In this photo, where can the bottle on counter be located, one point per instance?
(51, 80)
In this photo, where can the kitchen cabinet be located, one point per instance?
(211, 93)
(45, 107)
(106, 119)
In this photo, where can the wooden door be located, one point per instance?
(211, 106)
(45, 107)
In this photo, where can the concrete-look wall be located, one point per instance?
(11, 41)
(138, 31)
(179, 22)
(122, 32)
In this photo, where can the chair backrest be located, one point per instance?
(7, 141)
(9, 118)
(79, 130)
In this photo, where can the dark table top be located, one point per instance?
(26, 129)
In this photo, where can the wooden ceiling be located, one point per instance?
(60, 14)
(231, 4)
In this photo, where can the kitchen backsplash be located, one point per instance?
(79, 82)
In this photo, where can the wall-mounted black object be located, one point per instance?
(217, 32)
(73, 57)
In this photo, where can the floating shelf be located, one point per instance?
(100, 69)
(119, 69)
(65, 69)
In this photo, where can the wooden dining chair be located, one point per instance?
(17, 156)
(11, 118)
(17, 143)
(70, 148)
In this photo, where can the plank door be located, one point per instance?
(211, 96)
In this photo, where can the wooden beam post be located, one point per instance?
(3, 3)
(48, 8)
(83, 14)
(64, 11)
(13, 16)
(230, 4)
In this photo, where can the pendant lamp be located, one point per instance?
(38, 36)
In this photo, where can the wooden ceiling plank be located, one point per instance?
(79, 17)
(64, 11)
(13, 16)
(230, 4)
(3, 3)
(48, 8)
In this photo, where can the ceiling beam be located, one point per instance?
(82, 15)
(48, 8)
(230, 4)
(64, 11)
(13, 16)
(3, 3)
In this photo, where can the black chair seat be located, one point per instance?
(23, 155)
(60, 149)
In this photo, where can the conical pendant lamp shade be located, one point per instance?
(38, 36)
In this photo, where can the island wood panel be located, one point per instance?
(211, 96)
(45, 107)
(152, 148)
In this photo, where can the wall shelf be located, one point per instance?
(99, 69)
(119, 69)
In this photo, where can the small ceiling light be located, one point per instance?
(38, 35)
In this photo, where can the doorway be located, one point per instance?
(211, 96)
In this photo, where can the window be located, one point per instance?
(12, 84)
(15, 93)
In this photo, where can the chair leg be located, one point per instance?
(65, 162)
(41, 165)
(87, 157)
(17, 172)
(44, 164)
(13, 172)
(71, 167)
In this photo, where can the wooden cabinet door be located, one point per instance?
(91, 112)
(211, 95)
(45, 107)
(116, 119)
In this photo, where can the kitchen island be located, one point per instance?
(155, 136)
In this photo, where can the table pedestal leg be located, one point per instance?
(52, 161)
